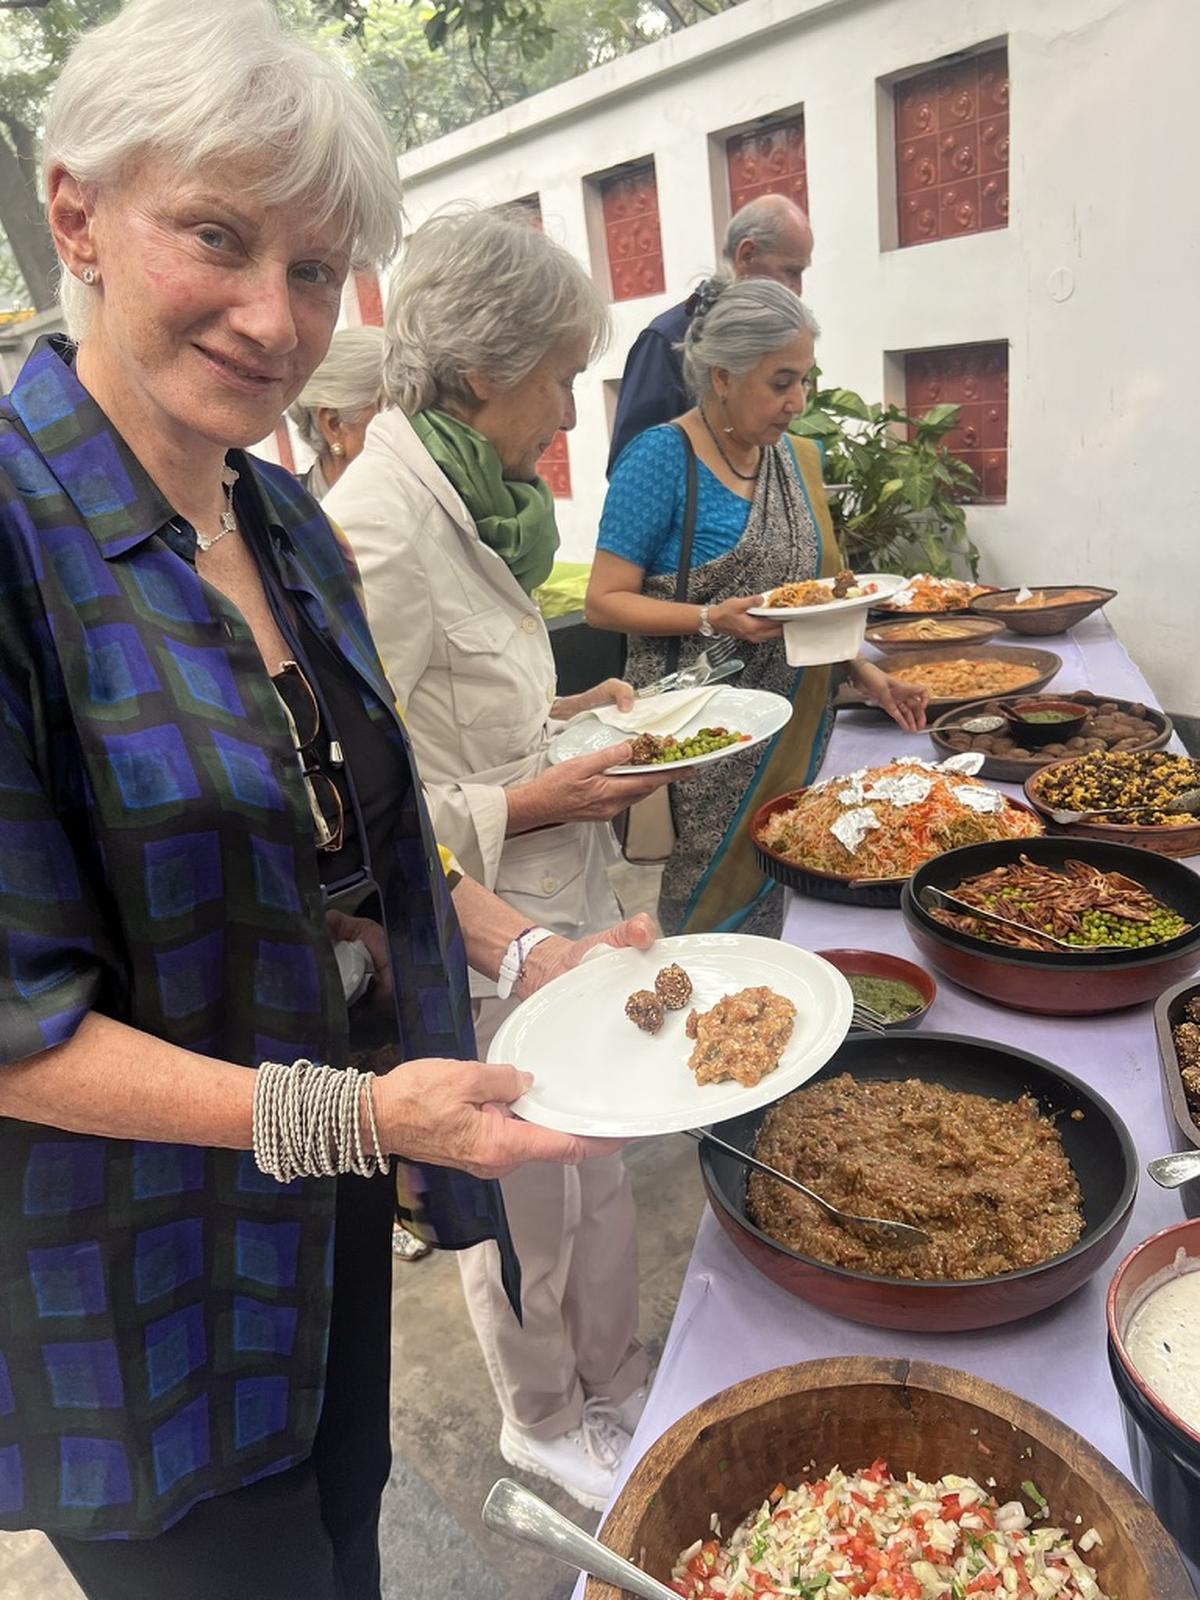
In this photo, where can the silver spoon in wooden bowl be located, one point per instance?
(893, 1232)
(1170, 1171)
(974, 725)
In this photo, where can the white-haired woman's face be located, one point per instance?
(521, 422)
(761, 403)
(215, 307)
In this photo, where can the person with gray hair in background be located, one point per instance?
(769, 237)
(488, 324)
(760, 520)
(337, 403)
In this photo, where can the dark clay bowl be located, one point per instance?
(795, 1422)
(1098, 1147)
(1044, 620)
(1049, 982)
(1185, 1134)
(1165, 1452)
(1162, 839)
(1035, 734)
(879, 964)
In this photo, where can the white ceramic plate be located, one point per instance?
(596, 1073)
(886, 585)
(757, 712)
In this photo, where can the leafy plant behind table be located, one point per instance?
(903, 506)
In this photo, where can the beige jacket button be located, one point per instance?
(549, 885)
(529, 624)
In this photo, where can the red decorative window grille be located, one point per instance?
(629, 201)
(973, 377)
(555, 467)
(527, 207)
(370, 299)
(768, 160)
(952, 149)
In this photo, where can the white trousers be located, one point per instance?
(575, 1234)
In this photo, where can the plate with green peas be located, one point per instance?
(729, 721)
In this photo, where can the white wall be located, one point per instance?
(1103, 189)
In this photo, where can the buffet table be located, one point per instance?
(731, 1322)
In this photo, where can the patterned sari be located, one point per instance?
(711, 882)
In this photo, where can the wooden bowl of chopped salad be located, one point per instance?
(861, 1476)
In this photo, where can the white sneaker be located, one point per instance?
(629, 1412)
(584, 1461)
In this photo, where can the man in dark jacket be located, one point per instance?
(768, 238)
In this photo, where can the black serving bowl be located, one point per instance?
(1185, 1131)
(1164, 1451)
(1035, 734)
(1055, 983)
(1098, 1147)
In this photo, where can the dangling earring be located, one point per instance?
(336, 449)
(728, 428)
(89, 275)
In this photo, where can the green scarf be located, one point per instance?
(513, 518)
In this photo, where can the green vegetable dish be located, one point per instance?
(651, 750)
(889, 998)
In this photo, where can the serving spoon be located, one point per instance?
(518, 1514)
(1184, 804)
(1170, 1171)
(893, 1232)
(937, 899)
(974, 725)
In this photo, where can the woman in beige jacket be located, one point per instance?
(488, 324)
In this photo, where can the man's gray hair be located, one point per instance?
(198, 82)
(764, 221)
(736, 323)
(483, 292)
(348, 381)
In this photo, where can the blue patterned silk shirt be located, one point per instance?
(164, 1309)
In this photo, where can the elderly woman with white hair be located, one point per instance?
(225, 917)
(759, 519)
(337, 404)
(488, 324)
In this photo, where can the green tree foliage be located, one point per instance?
(434, 66)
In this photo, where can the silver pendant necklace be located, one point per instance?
(746, 477)
(227, 519)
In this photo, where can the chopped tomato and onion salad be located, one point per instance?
(871, 1534)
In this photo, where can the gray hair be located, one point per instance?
(480, 292)
(764, 221)
(348, 381)
(202, 81)
(736, 323)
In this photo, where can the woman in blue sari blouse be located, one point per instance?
(206, 799)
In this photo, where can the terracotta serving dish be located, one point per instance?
(1163, 841)
(1164, 1451)
(727, 1454)
(1054, 983)
(881, 892)
(1042, 620)
(1014, 769)
(975, 631)
(1098, 1147)
(1185, 1135)
(879, 964)
(1046, 663)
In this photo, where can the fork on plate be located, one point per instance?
(694, 676)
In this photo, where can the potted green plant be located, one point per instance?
(900, 502)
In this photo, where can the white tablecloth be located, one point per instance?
(731, 1322)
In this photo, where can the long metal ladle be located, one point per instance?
(517, 1513)
(893, 1232)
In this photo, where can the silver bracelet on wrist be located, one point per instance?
(307, 1121)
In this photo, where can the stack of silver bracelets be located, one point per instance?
(308, 1122)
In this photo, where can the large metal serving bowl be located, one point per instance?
(797, 1422)
(1098, 1147)
(1057, 983)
